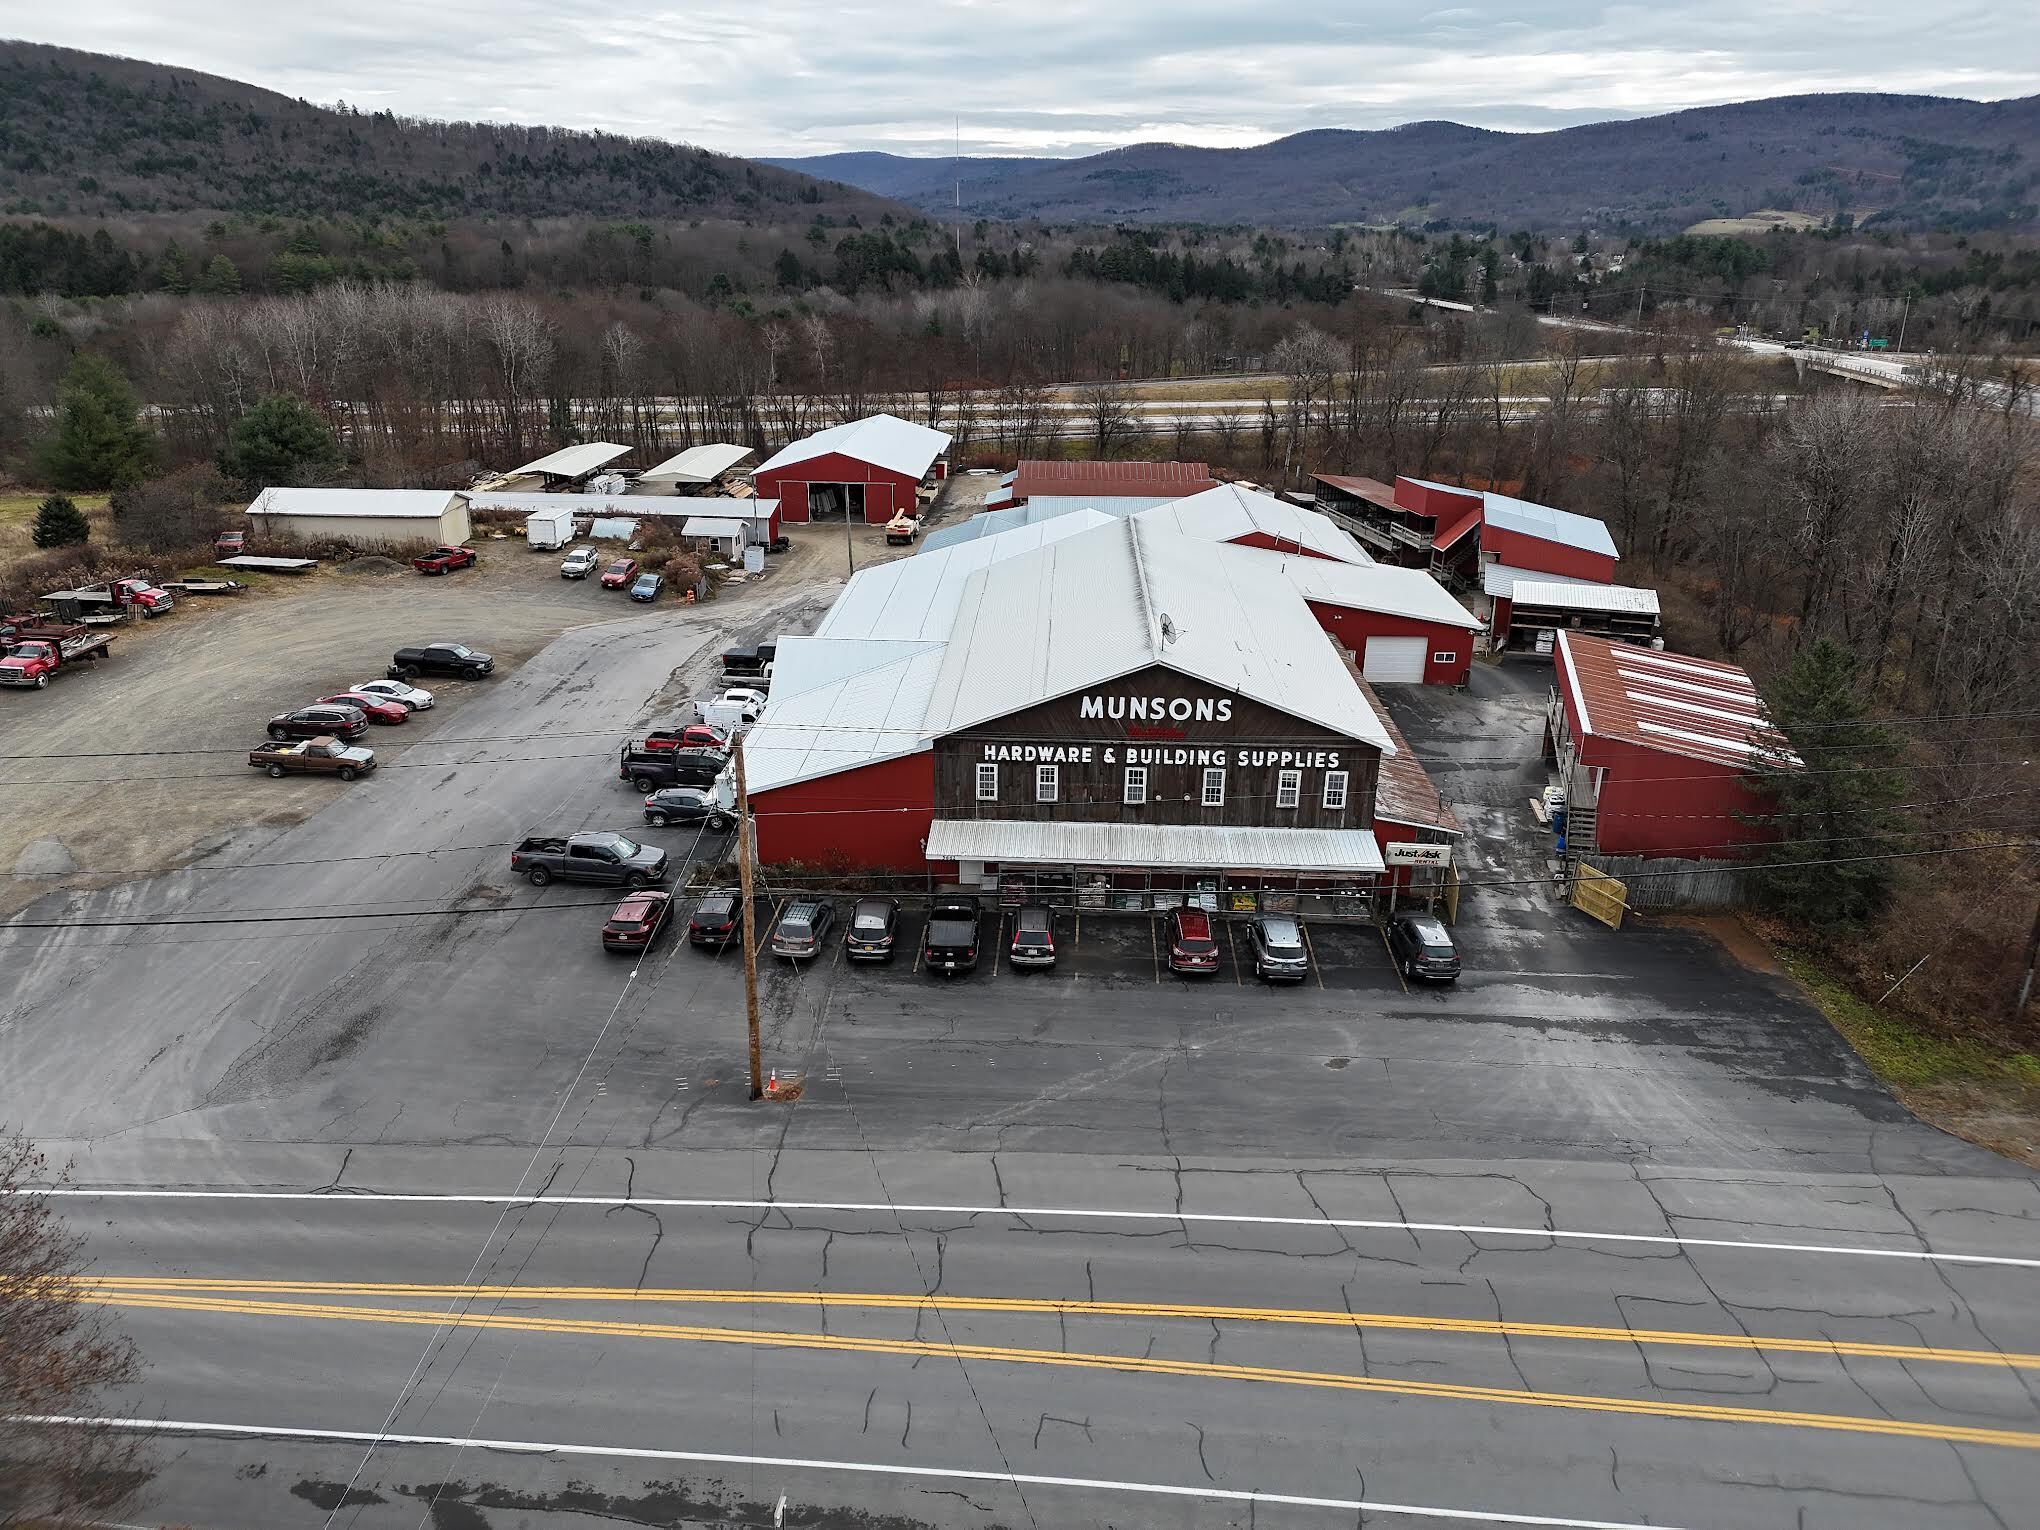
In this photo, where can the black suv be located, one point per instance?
(1422, 948)
(1280, 955)
(1033, 942)
(715, 919)
(685, 804)
(320, 721)
(873, 924)
(440, 659)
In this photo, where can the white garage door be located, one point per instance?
(1395, 659)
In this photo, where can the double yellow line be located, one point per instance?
(210, 1296)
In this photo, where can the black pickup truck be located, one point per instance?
(440, 659)
(749, 666)
(951, 944)
(608, 858)
(648, 769)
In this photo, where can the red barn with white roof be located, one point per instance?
(867, 470)
(1654, 750)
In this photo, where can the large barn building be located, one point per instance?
(1654, 751)
(1095, 709)
(868, 470)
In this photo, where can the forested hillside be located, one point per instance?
(1907, 160)
(84, 133)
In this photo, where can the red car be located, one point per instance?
(619, 573)
(444, 560)
(637, 921)
(378, 709)
(692, 736)
(1193, 947)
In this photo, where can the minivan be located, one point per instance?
(801, 929)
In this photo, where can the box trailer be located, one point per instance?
(550, 529)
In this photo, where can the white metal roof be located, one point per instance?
(883, 440)
(667, 505)
(1119, 598)
(1229, 512)
(1568, 595)
(838, 704)
(573, 461)
(393, 504)
(1191, 846)
(991, 523)
(1501, 578)
(1376, 587)
(1547, 524)
(711, 526)
(698, 464)
(916, 598)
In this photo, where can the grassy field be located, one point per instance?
(1761, 221)
(17, 519)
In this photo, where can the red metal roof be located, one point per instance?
(1403, 792)
(1373, 490)
(1441, 540)
(1107, 479)
(1666, 701)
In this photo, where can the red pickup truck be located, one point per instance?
(444, 560)
(36, 653)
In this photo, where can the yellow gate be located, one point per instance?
(1451, 894)
(1598, 895)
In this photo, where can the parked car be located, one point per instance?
(580, 563)
(440, 659)
(347, 722)
(685, 804)
(412, 696)
(748, 700)
(229, 544)
(649, 769)
(1033, 943)
(637, 921)
(951, 944)
(599, 857)
(444, 560)
(378, 709)
(314, 756)
(1420, 945)
(687, 736)
(873, 924)
(802, 928)
(1280, 956)
(646, 587)
(749, 665)
(619, 573)
(716, 919)
(779, 544)
(1193, 944)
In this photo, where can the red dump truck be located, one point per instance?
(36, 653)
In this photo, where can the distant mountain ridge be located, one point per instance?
(89, 133)
(1909, 159)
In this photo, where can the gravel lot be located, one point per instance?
(136, 764)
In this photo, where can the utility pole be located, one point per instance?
(2032, 961)
(745, 851)
(1904, 314)
(1640, 291)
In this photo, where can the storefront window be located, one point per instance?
(1136, 785)
(1045, 782)
(1288, 788)
(988, 783)
(1214, 788)
(1335, 788)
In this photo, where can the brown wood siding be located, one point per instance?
(1093, 791)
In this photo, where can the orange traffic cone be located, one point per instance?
(772, 1082)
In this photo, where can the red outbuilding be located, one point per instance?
(868, 470)
(1654, 751)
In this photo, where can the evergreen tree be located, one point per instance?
(98, 442)
(281, 441)
(59, 523)
(222, 277)
(173, 273)
(1834, 795)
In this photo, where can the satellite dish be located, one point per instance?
(1168, 629)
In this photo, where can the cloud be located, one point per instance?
(787, 77)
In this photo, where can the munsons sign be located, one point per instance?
(1103, 708)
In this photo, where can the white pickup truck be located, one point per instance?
(739, 706)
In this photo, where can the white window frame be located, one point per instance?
(1335, 789)
(1047, 782)
(1288, 789)
(988, 783)
(1444, 658)
(1213, 793)
(1134, 793)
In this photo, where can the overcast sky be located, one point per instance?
(784, 77)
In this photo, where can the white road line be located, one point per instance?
(1077, 1213)
(869, 1468)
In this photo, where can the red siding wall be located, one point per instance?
(1653, 803)
(1354, 628)
(885, 492)
(874, 817)
(1447, 504)
(1519, 551)
(1276, 544)
(1498, 624)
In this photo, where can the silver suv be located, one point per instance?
(801, 929)
(1280, 955)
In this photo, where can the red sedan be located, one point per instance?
(619, 573)
(637, 921)
(378, 709)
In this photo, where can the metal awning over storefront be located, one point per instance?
(1185, 847)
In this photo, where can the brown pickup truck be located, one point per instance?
(323, 754)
